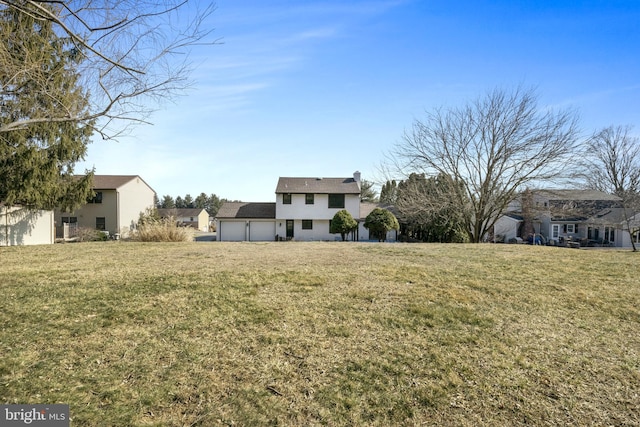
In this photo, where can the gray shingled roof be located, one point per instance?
(366, 208)
(609, 216)
(113, 182)
(576, 195)
(247, 210)
(317, 186)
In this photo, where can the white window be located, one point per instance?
(609, 234)
(571, 228)
(555, 231)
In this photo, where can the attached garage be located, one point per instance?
(232, 231)
(238, 221)
(262, 231)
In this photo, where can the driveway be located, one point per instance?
(202, 236)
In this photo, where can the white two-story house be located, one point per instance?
(306, 206)
(303, 210)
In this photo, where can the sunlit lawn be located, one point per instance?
(322, 333)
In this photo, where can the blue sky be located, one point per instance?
(325, 88)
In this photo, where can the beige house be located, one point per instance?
(116, 207)
(20, 226)
(197, 218)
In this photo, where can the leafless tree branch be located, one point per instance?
(493, 147)
(134, 53)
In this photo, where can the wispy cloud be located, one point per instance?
(266, 41)
(592, 97)
(314, 34)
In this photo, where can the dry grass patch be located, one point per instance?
(322, 333)
(162, 230)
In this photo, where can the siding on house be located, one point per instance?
(19, 226)
(507, 228)
(122, 198)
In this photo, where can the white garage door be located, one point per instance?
(232, 231)
(262, 231)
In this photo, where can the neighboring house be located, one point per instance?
(303, 210)
(188, 217)
(116, 207)
(20, 226)
(588, 217)
(509, 227)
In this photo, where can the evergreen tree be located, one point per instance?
(367, 192)
(424, 209)
(379, 222)
(201, 201)
(188, 201)
(37, 159)
(343, 224)
(213, 204)
(388, 193)
(167, 202)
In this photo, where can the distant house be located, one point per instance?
(303, 210)
(584, 217)
(20, 226)
(187, 217)
(116, 207)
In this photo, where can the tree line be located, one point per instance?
(211, 203)
(71, 70)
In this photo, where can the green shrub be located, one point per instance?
(343, 224)
(379, 222)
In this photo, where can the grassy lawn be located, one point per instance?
(322, 334)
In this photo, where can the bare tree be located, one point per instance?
(133, 53)
(490, 149)
(613, 161)
(612, 165)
